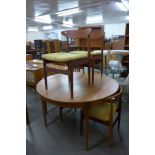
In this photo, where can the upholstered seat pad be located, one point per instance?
(79, 52)
(97, 52)
(63, 57)
(102, 111)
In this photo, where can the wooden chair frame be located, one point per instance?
(97, 34)
(75, 34)
(111, 123)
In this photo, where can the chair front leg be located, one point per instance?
(71, 78)
(93, 63)
(101, 66)
(89, 73)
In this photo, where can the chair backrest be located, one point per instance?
(80, 34)
(77, 34)
(116, 96)
(96, 34)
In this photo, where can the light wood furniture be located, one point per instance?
(118, 44)
(94, 43)
(33, 75)
(96, 57)
(29, 57)
(107, 113)
(126, 40)
(85, 96)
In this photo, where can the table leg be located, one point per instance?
(27, 117)
(44, 108)
(86, 114)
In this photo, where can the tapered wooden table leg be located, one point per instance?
(27, 117)
(44, 108)
(86, 113)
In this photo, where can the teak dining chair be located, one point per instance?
(72, 60)
(107, 113)
(97, 55)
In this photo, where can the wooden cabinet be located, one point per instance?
(126, 39)
(33, 75)
(125, 60)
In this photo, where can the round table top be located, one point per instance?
(58, 91)
(120, 52)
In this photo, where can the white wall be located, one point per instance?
(31, 36)
(114, 29)
(110, 29)
(45, 35)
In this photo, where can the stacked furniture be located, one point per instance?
(96, 57)
(72, 60)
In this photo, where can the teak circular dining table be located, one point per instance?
(58, 93)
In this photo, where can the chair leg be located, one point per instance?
(89, 74)
(105, 64)
(60, 110)
(71, 79)
(93, 74)
(101, 66)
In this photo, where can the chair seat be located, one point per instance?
(97, 52)
(63, 57)
(102, 111)
(79, 52)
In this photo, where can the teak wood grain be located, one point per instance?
(59, 84)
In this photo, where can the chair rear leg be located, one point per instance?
(101, 67)
(89, 74)
(93, 74)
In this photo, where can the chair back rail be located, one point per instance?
(96, 34)
(77, 34)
